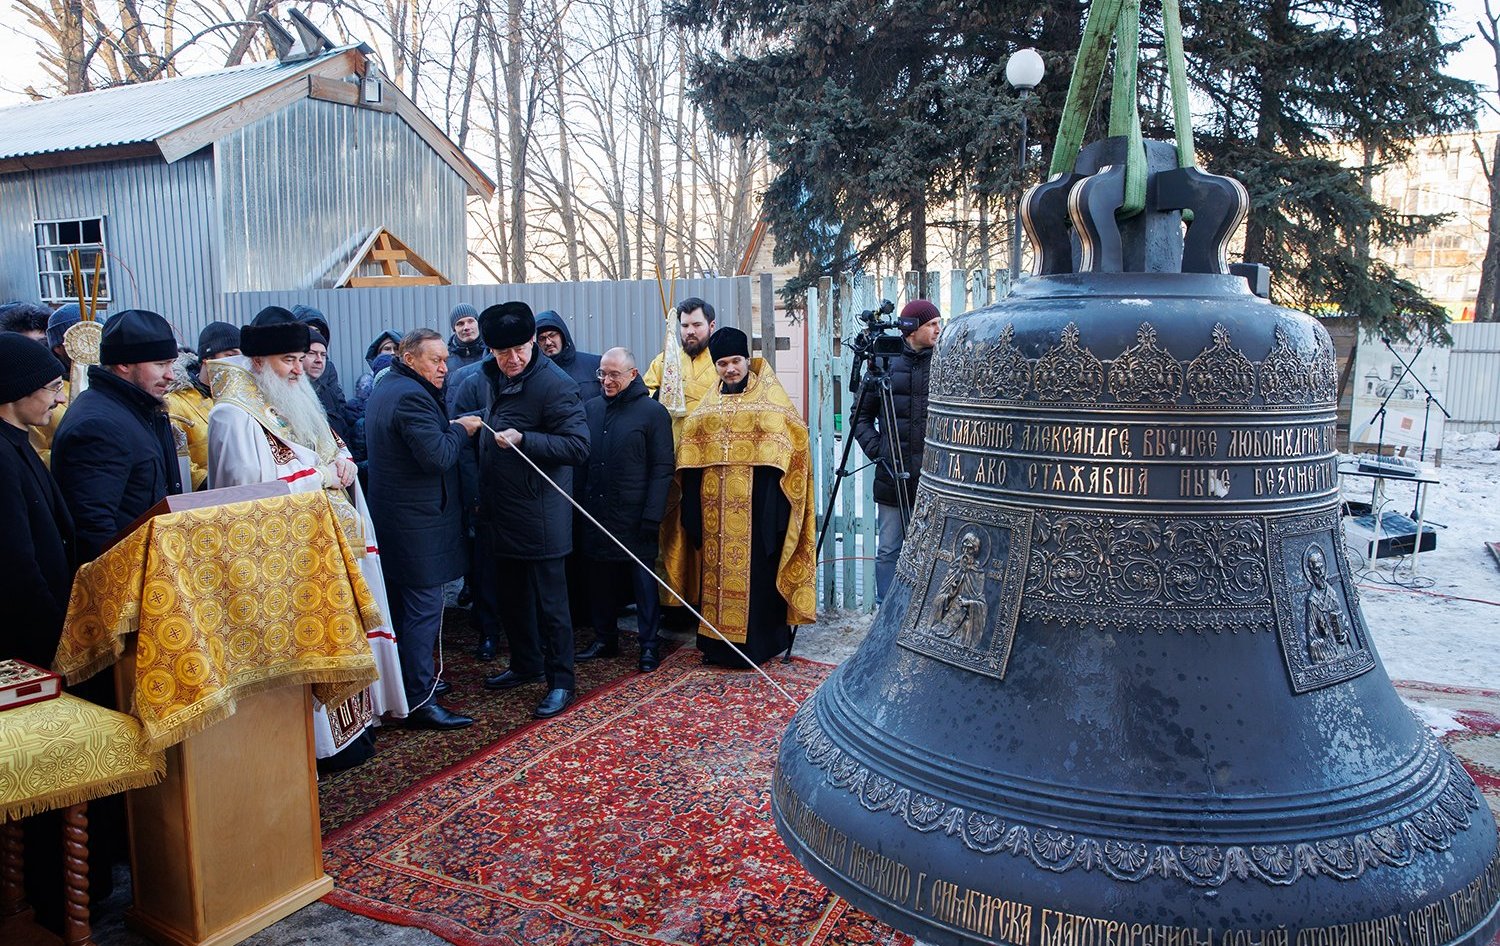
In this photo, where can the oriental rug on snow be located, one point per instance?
(1467, 721)
(641, 816)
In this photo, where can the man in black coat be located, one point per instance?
(414, 496)
(624, 486)
(527, 524)
(899, 442)
(37, 552)
(114, 456)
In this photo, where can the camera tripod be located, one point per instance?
(877, 376)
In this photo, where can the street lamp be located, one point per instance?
(1023, 70)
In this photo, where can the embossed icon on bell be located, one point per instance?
(1121, 692)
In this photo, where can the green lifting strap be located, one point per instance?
(1119, 20)
(1124, 107)
(1182, 115)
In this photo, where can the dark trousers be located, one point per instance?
(608, 581)
(534, 595)
(485, 610)
(417, 617)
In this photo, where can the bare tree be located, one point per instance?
(1485, 304)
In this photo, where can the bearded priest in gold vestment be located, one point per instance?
(747, 510)
(267, 423)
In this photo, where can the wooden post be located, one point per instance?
(768, 319)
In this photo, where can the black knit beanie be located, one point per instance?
(25, 366)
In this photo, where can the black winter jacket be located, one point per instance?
(526, 517)
(579, 365)
(461, 355)
(908, 377)
(624, 484)
(114, 458)
(414, 494)
(37, 552)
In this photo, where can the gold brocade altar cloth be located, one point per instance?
(224, 601)
(65, 751)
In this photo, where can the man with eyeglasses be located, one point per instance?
(624, 487)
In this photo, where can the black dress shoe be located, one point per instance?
(553, 703)
(509, 680)
(485, 651)
(599, 649)
(442, 688)
(432, 716)
(650, 660)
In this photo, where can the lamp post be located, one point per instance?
(1023, 70)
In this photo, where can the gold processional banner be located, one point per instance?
(64, 751)
(224, 601)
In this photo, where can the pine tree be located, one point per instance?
(1295, 87)
(874, 113)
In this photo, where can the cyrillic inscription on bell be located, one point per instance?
(1121, 692)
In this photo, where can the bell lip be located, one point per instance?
(1184, 285)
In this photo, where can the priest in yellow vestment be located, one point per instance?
(747, 510)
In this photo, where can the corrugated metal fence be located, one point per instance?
(1474, 377)
(601, 315)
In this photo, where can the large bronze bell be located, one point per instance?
(1121, 692)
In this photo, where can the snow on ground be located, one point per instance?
(1441, 625)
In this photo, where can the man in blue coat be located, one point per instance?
(527, 524)
(114, 455)
(414, 495)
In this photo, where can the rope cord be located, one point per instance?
(649, 570)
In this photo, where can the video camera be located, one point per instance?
(874, 343)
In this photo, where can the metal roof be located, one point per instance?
(136, 114)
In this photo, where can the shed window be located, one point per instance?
(55, 242)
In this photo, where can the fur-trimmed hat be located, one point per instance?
(274, 331)
(507, 325)
(727, 342)
(135, 336)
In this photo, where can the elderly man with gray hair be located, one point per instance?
(624, 486)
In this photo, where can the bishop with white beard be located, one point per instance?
(267, 424)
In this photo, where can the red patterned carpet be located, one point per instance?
(1467, 720)
(613, 823)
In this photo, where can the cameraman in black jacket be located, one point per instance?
(920, 324)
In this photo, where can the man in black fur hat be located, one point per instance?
(526, 525)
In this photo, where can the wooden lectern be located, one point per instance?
(229, 842)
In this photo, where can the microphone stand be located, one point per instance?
(1431, 399)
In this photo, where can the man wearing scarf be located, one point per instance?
(267, 424)
(747, 512)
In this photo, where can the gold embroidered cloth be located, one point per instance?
(727, 436)
(63, 751)
(224, 601)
